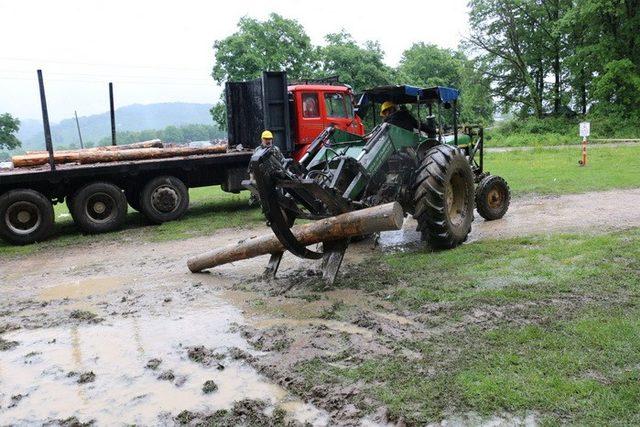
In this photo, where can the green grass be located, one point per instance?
(556, 171)
(210, 209)
(544, 325)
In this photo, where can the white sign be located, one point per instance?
(585, 129)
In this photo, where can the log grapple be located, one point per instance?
(431, 171)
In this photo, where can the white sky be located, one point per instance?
(161, 51)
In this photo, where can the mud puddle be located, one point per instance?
(84, 287)
(135, 370)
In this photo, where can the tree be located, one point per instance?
(429, 65)
(275, 44)
(9, 126)
(359, 66)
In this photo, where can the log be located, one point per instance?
(152, 143)
(101, 156)
(147, 153)
(37, 159)
(351, 224)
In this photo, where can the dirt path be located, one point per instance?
(89, 321)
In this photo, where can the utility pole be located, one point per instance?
(78, 126)
(113, 115)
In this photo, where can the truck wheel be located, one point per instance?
(26, 216)
(133, 198)
(99, 207)
(163, 199)
(492, 197)
(443, 197)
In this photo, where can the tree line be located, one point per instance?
(278, 43)
(529, 58)
(559, 56)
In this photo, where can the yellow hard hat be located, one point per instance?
(267, 135)
(385, 106)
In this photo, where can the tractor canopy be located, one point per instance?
(405, 94)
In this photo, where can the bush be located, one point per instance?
(606, 123)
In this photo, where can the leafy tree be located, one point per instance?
(359, 66)
(9, 126)
(429, 65)
(275, 44)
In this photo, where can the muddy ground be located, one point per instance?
(122, 331)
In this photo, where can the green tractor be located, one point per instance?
(434, 171)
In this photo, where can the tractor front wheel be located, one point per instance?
(443, 197)
(492, 197)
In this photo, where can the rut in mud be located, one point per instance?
(131, 314)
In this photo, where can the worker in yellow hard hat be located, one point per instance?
(266, 138)
(388, 108)
(401, 117)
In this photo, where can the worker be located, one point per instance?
(266, 139)
(400, 117)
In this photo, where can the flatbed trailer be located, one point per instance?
(97, 194)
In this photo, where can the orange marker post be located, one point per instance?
(583, 162)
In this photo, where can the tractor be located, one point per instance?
(436, 172)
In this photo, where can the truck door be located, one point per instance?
(311, 122)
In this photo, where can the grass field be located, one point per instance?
(543, 325)
(539, 171)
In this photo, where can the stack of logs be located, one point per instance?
(153, 149)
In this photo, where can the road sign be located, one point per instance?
(585, 129)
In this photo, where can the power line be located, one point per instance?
(54, 61)
(111, 76)
(141, 82)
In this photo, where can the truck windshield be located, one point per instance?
(336, 106)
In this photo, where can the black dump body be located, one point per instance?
(256, 105)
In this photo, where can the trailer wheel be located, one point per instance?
(164, 198)
(133, 198)
(99, 207)
(443, 197)
(26, 216)
(492, 197)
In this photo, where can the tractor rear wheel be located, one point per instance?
(492, 197)
(443, 197)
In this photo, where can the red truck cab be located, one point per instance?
(317, 106)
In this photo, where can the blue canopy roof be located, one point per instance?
(405, 94)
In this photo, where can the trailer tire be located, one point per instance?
(26, 216)
(163, 199)
(492, 197)
(443, 197)
(99, 207)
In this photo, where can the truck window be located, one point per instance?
(310, 105)
(335, 105)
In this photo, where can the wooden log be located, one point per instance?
(102, 156)
(152, 143)
(59, 157)
(357, 223)
(147, 153)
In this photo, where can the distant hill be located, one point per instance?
(134, 117)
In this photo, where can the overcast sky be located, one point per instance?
(161, 51)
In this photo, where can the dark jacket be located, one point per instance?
(403, 118)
